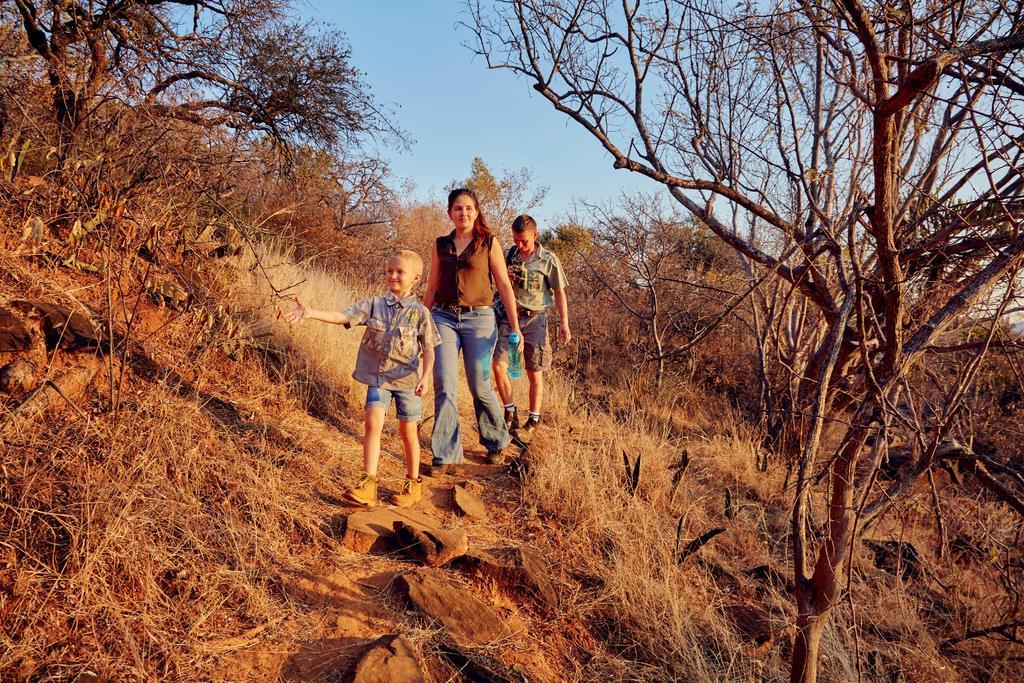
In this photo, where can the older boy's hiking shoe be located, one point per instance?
(496, 457)
(530, 424)
(365, 492)
(441, 469)
(411, 493)
(511, 419)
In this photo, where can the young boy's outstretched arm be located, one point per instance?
(303, 312)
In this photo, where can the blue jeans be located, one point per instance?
(474, 333)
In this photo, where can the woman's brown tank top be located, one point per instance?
(465, 279)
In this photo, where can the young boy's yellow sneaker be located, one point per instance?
(411, 493)
(365, 492)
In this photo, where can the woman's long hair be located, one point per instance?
(481, 231)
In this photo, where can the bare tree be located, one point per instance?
(232, 62)
(867, 156)
(652, 261)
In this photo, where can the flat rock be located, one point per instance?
(432, 547)
(390, 659)
(373, 531)
(65, 329)
(468, 503)
(514, 567)
(17, 377)
(13, 334)
(467, 620)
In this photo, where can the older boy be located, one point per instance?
(398, 329)
(539, 281)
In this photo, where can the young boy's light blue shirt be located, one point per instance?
(396, 331)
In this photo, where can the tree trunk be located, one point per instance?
(809, 627)
(816, 596)
(659, 352)
(660, 376)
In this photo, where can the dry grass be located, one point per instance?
(652, 609)
(143, 543)
(144, 546)
(669, 618)
(198, 520)
(269, 279)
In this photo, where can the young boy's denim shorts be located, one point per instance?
(408, 405)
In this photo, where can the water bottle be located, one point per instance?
(515, 359)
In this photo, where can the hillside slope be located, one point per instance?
(174, 513)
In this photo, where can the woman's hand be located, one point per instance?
(297, 314)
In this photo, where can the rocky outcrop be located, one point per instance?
(63, 328)
(14, 335)
(466, 619)
(389, 659)
(388, 529)
(514, 568)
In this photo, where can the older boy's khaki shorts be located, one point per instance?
(537, 348)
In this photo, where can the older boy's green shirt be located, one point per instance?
(396, 330)
(536, 279)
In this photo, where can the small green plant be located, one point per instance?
(678, 471)
(761, 458)
(697, 543)
(679, 534)
(632, 473)
(15, 158)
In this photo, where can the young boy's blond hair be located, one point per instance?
(409, 256)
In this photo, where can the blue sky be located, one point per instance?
(454, 108)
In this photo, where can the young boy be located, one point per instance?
(539, 281)
(398, 329)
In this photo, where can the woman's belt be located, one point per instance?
(455, 308)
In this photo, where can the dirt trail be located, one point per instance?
(326, 603)
(353, 598)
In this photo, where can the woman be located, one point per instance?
(459, 296)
